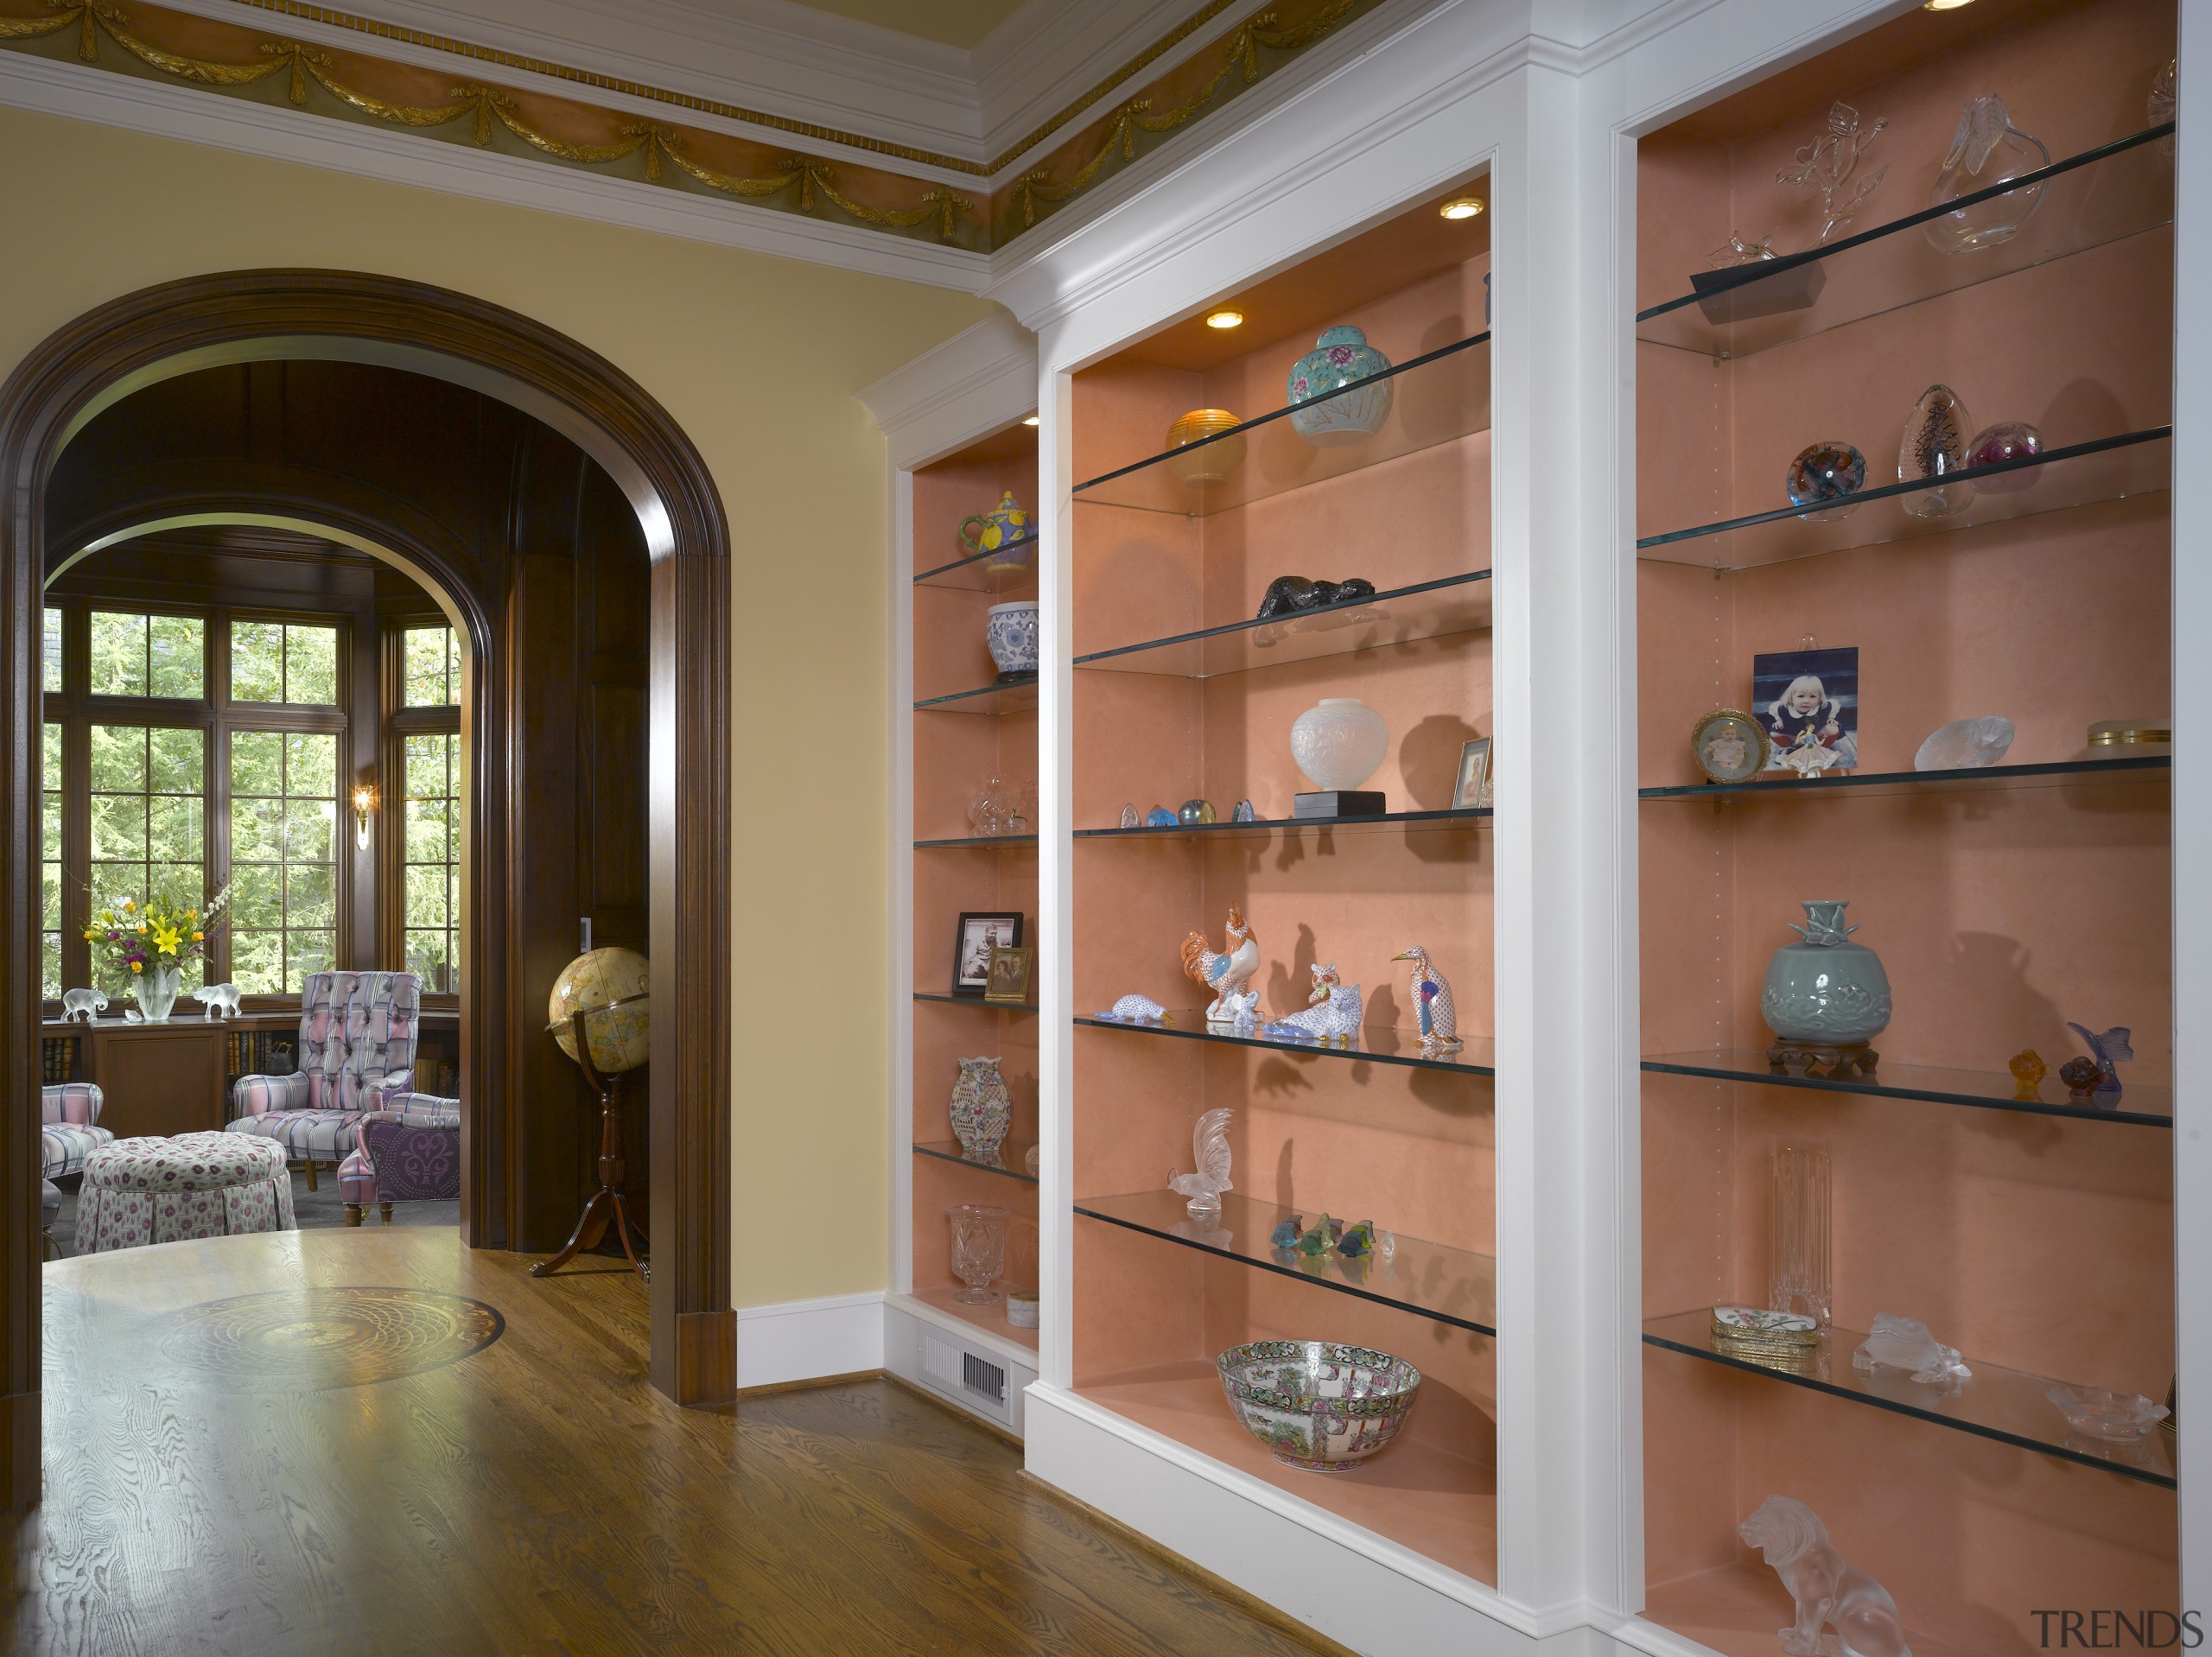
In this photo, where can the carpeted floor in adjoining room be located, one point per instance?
(322, 1207)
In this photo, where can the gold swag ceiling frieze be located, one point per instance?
(154, 42)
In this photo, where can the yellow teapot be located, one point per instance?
(1006, 526)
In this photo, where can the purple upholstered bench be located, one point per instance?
(411, 1152)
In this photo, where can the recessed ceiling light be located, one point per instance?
(1225, 320)
(1945, 5)
(1031, 420)
(1466, 207)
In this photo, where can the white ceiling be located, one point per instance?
(950, 23)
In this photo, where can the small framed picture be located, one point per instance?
(1729, 746)
(1807, 702)
(1008, 981)
(978, 935)
(1473, 789)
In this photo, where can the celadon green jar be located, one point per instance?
(1824, 987)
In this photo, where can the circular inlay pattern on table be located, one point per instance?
(299, 1340)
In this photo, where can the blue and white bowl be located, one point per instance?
(1010, 633)
(1341, 356)
(1317, 1404)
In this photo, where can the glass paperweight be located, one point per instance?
(978, 1250)
(1131, 816)
(1195, 813)
(1933, 445)
(2008, 439)
(1827, 472)
(1986, 150)
(1798, 1270)
(1160, 817)
(1829, 162)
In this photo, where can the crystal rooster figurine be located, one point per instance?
(1333, 1023)
(1226, 972)
(2109, 1049)
(1434, 1012)
(1210, 1149)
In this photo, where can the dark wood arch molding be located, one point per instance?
(207, 321)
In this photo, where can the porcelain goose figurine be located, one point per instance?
(1226, 972)
(1434, 1013)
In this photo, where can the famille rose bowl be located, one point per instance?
(1316, 1405)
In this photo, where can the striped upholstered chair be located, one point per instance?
(69, 1129)
(356, 1054)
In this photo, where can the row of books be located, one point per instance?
(58, 1058)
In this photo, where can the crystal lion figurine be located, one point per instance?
(1209, 1150)
(1225, 972)
(1826, 1587)
(1905, 1344)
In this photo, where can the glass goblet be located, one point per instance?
(978, 1250)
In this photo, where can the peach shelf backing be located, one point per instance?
(1405, 615)
(2005, 1404)
(1374, 1045)
(2079, 474)
(1437, 397)
(1452, 1286)
(1012, 1160)
(2102, 195)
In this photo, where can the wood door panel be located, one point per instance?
(165, 1081)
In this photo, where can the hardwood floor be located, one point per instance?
(218, 1479)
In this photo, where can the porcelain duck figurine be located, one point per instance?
(1227, 973)
(1434, 1012)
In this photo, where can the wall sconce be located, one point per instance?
(364, 806)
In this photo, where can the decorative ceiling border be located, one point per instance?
(209, 54)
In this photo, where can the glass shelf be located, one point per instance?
(976, 573)
(976, 843)
(2101, 196)
(968, 1000)
(2079, 474)
(1439, 397)
(1452, 1286)
(1016, 696)
(1375, 1044)
(2005, 1405)
(1012, 1157)
(1412, 823)
(2142, 1106)
(1405, 615)
(2141, 769)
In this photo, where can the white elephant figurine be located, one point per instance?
(87, 1001)
(219, 1000)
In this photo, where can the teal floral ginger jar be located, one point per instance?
(1339, 358)
(1825, 988)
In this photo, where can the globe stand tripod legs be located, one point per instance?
(609, 1203)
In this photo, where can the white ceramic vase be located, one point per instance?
(1340, 742)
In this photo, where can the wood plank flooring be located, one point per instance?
(213, 1484)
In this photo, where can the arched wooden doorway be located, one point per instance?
(345, 316)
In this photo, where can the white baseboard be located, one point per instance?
(804, 1340)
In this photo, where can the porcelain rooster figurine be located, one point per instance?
(1435, 1013)
(1227, 973)
(1333, 1023)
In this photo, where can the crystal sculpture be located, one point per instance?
(1798, 1263)
(1933, 445)
(1210, 1150)
(1824, 1587)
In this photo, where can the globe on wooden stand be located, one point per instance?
(600, 1010)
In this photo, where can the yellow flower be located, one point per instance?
(198, 937)
(142, 926)
(192, 915)
(165, 939)
(88, 937)
(129, 904)
(138, 966)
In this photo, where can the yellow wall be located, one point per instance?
(757, 359)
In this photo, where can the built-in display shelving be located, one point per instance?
(2002, 1404)
(2138, 1105)
(1003, 568)
(1012, 1160)
(1452, 1286)
(1374, 1045)
(976, 843)
(1416, 822)
(1013, 696)
(1408, 615)
(2141, 769)
(968, 1000)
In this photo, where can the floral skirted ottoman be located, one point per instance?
(155, 1190)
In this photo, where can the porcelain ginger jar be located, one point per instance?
(1340, 742)
(1340, 357)
(982, 1108)
(1824, 987)
(1010, 632)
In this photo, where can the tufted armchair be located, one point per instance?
(357, 1054)
(69, 1130)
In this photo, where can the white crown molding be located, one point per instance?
(1048, 54)
(970, 386)
(279, 133)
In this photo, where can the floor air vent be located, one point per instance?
(955, 1370)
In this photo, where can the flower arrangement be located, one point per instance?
(159, 938)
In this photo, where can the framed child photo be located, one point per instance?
(1807, 702)
(1728, 747)
(972, 944)
(1008, 981)
(1473, 787)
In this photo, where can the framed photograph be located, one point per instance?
(1008, 981)
(1472, 788)
(1729, 746)
(978, 935)
(1807, 702)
